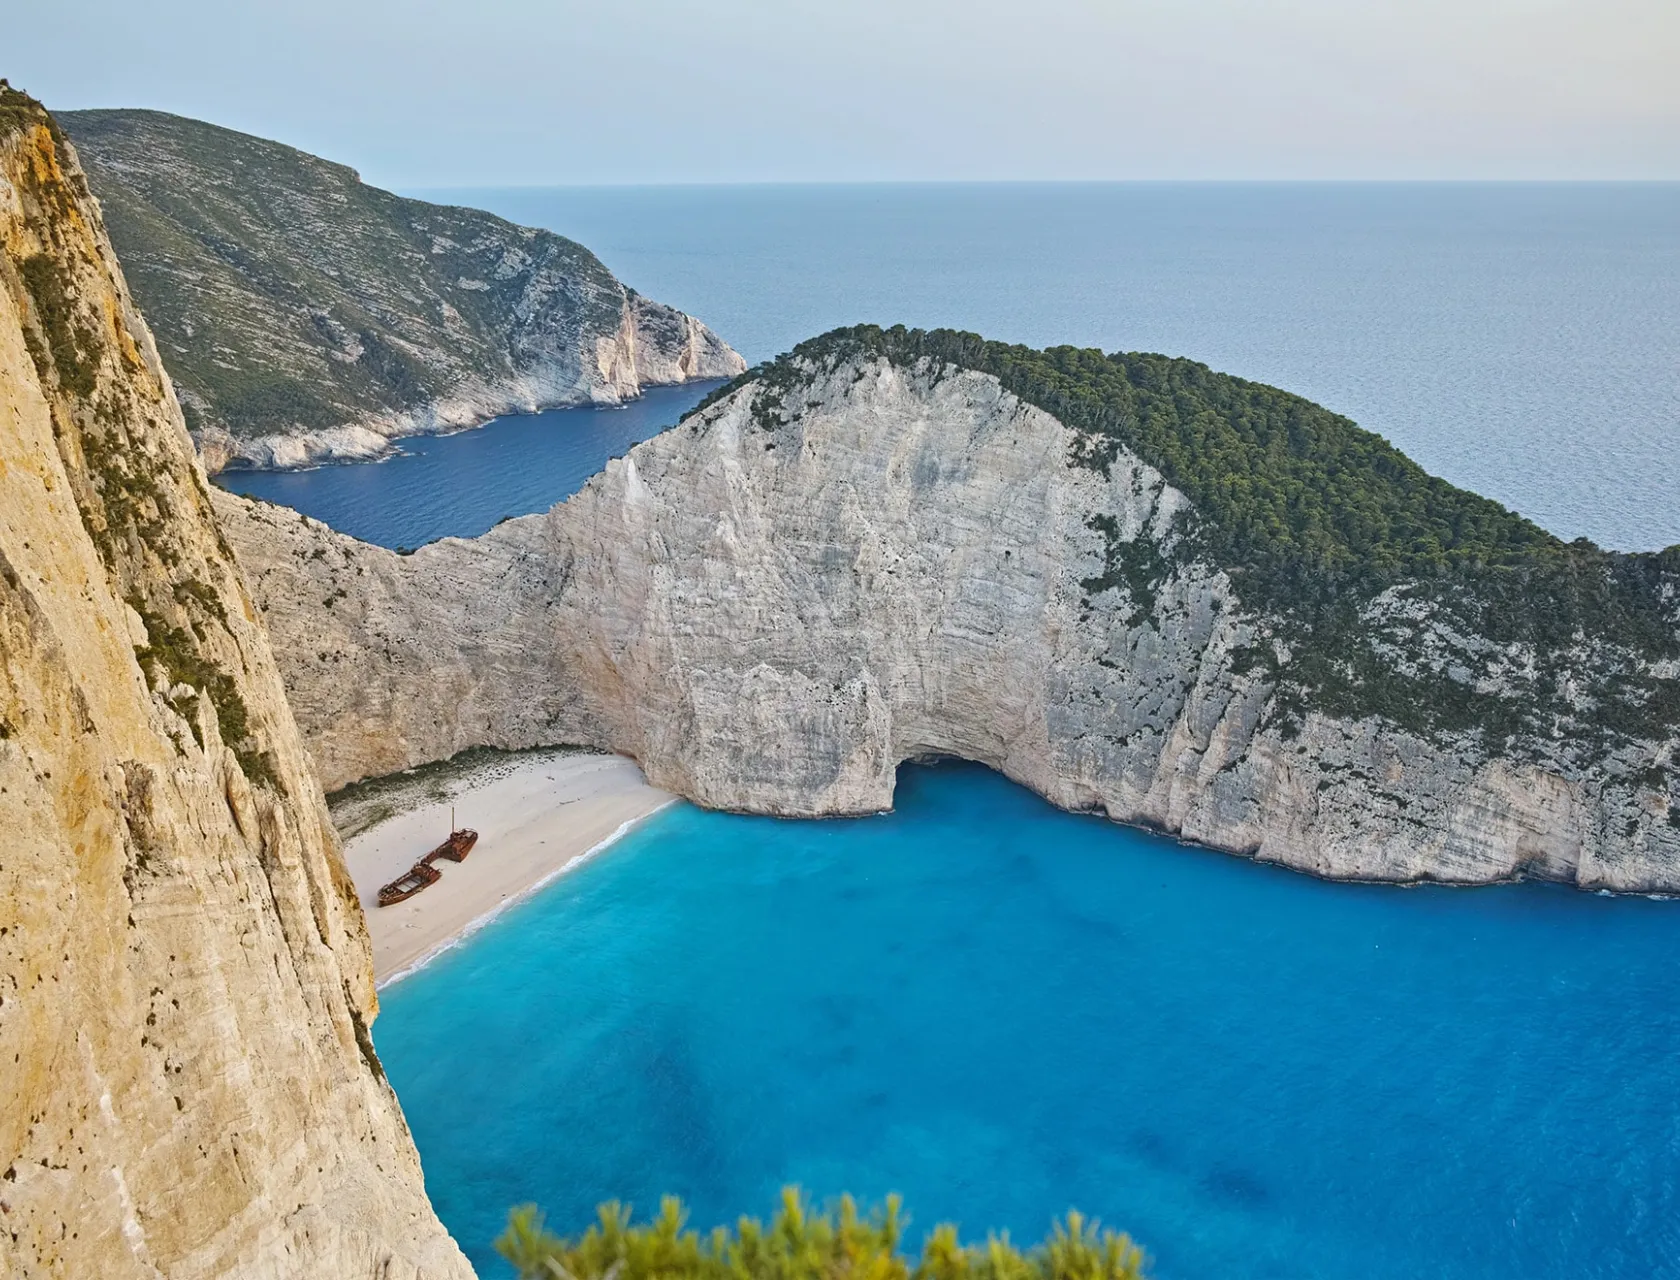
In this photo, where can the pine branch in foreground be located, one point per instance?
(803, 1243)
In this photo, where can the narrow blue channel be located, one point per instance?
(1002, 1011)
(457, 486)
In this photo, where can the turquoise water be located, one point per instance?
(1002, 1010)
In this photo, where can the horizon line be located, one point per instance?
(701, 184)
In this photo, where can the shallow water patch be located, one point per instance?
(1001, 1011)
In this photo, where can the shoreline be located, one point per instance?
(539, 814)
(321, 451)
(478, 922)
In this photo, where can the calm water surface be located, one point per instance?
(459, 485)
(1520, 339)
(1002, 1010)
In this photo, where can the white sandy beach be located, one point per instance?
(534, 815)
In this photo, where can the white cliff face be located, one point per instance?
(772, 619)
(185, 977)
(672, 346)
(653, 345)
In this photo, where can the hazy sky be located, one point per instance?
(454, 92)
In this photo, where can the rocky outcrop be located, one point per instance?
(306, 316)
(843, 565)
(185, 977)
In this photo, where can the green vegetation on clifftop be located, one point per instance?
(1343, 541)
(285, 293)
(18, 111)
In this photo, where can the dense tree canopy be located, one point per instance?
(1312, 517)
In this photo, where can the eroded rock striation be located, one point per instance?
(305, 315)
(189, 1087)
(873, 551)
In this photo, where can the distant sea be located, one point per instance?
(1522, 340)
(1000, 1010)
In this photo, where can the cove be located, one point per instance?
(461, 484)
(1001, 1011)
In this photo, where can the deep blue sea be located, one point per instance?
(459, 485)
(1000, 1010)
(1520, 339)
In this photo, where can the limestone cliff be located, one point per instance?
(851, 560)
(189, 1088)
(306, 315)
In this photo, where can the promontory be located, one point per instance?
(1137, 586)
(307, 316)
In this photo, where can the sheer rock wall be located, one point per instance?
(189, 1089)
(772, 616)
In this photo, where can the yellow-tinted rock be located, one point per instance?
(185, 978)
